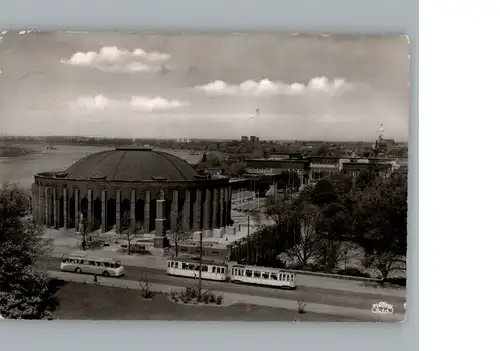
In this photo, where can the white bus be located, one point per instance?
(210, 270)
(263, 276)
(80, 263)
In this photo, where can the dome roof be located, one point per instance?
(132, 164)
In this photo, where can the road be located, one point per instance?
(348, 299)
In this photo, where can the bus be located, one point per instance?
(81, 263)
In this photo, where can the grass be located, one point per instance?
(91, 302)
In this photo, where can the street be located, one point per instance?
(348, 299)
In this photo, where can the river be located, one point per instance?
(21, 169)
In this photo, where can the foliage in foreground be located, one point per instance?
(25, 293)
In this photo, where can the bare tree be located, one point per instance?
(179, 236)
(305, 245)
(127, 231)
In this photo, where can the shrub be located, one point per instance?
(146, 291)
(301, 306)
(212, 298)
(354, 272)
(219, 299)
(401, 281)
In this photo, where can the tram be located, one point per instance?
(210, 270)
(232, 272)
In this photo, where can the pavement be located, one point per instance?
(364, 314)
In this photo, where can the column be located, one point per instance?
(222, 222)
(159, 221)
(90, 214)
(77, 209)
(55, 207)
(206, 210)
(215, 209)
(197, 210)
(118, 214)
(132, 210)
(41, 201)
(174, 211)
(186, 211)
(146, 211)
(47, 206)
(65, 209)
(104, 211)
(228, 204)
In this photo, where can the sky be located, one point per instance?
(221, 86)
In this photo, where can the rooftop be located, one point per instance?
(131, 164)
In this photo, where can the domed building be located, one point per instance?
(140, 188)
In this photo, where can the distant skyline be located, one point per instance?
(278, 87)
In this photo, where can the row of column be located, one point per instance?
(216, 209)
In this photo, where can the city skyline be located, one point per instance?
(337, 88)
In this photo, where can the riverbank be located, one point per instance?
(14, 151)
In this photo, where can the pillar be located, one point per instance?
(206, 210)
(222, 222)
(41, 200)
(159, 221)
(197, 210)
(146, 211)
(104, 211)
(186, 211)
(174, 211)
(65, 209)
(132, 211)
(55, 207)
(77, 209)
(90, 214)
(118, 214)
(228, 193)
(47, 207)
(215, 208)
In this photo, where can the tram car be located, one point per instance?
(210, 270)
(231, 272)
(263, 276)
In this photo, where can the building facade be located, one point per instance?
(137, 188)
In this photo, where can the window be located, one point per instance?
(256, 274)
(291, 278)
(213, 269)
(223, 270)
(204, 268)
(274, 276)
(248, 273)
(265, 275)
(168, 264)
(106, 264)
(185, 266)
(218, 269)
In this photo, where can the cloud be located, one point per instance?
(269, 88)
(113, 59)
(135, 103)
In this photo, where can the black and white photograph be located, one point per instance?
(203, 176)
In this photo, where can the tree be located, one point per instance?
(25, 293)
(127, 230)
(321, 150)
(381, 228)
(305, 245)
(179, 236)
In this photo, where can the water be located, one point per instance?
(21, 169)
